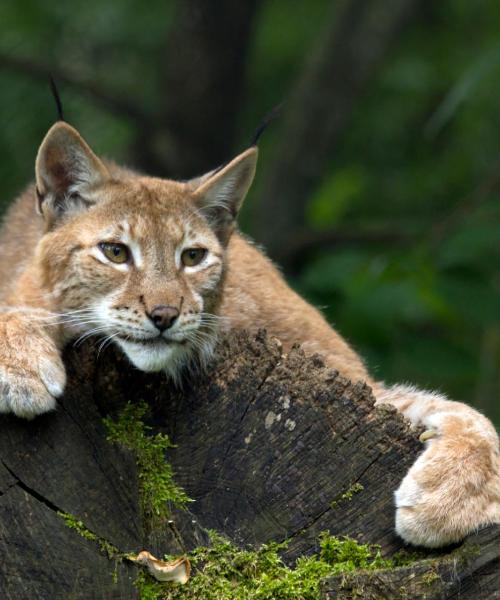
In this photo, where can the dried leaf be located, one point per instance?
(175, 570)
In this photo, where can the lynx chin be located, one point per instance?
(158, 267)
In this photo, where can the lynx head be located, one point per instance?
(137, 260)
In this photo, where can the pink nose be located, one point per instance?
(163, 317)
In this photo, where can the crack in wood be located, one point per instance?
(96, 452)
(32, 492)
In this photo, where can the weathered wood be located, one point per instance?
(472, 572)
(42, 558)
(62, 462)
(269, 447)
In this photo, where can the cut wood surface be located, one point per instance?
(270, 447)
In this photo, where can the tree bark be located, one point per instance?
(203, 81)
(267, 446)
(347, 56)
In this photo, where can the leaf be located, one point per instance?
(177, 570)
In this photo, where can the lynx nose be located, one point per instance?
(163, 317)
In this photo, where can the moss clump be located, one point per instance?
(224, 572)
(348, 495)
(149, 588)
(106, 547)
(158, 491)
(430, 577)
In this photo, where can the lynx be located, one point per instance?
(158, 267)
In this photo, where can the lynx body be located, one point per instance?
(157, 267)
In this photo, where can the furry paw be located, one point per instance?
(454, 486)
(32, 374)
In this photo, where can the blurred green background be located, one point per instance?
(378, 188)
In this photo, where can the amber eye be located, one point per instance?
(193, 256)
(117, 253)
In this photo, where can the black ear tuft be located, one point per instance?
(274, 113)
(57, 98)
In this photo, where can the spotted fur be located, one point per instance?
(56, 284)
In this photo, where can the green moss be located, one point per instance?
(348, 495)
(405, 557)
(158, 491)
(73, 523)
(106, 547)
(430, 577)
(148, 588)
(225, 572)
(465, 553)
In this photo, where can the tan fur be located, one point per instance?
(56, 285)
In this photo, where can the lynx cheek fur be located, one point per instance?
(155, 266)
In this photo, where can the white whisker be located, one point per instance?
(107, 340)
(90, 333)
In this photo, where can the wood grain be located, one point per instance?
(270, 447)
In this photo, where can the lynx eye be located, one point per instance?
(193, 256)
(117, 253)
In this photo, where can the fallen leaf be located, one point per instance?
(175, 570)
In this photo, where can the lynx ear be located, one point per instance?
(65, 168)
(220, 193)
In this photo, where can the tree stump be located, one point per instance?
(270, 447)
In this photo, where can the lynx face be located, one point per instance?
(136, 260)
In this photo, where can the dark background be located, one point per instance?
(378, 188)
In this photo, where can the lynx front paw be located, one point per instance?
(28, 394)
(32, 375)
(454, 486)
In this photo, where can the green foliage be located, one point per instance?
(336, 197)
(224, 572)
(159, 493)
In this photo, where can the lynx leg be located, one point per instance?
(453, 488)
